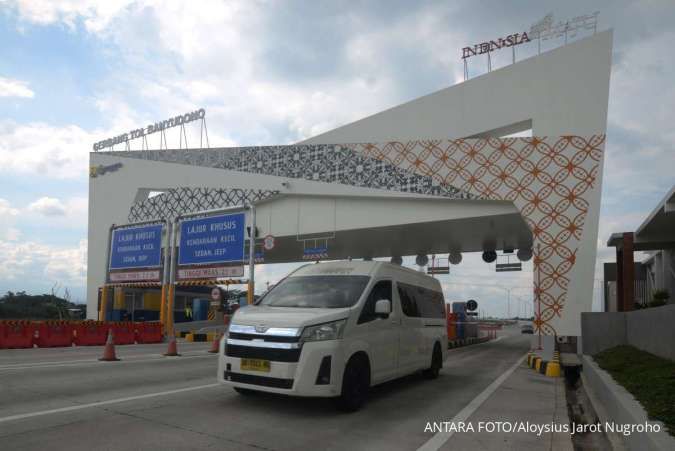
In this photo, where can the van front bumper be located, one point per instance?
(290, 378)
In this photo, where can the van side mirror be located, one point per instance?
(382, 308)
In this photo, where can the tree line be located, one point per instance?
(21, 305)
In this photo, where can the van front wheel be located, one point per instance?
(355, 385)
(436, 363)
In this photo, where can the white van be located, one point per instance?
(335, 329)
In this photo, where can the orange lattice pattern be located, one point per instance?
(549, 180)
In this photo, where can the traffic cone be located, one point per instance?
(109, 350)
(215, 346)
(173, 349)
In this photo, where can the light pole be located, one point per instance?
(508, 292)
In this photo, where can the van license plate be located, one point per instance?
(255, 365)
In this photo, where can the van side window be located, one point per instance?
(408, 304)
(433, 305)
(421, 302)
(381, 290)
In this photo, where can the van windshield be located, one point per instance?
(316, 292)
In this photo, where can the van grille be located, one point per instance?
(273, 338)
(259, 380)
(273, 354)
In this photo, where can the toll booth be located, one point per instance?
(141, 302)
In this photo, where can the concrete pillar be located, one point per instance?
(619, 278)
(627, 274)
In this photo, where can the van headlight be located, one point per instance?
(325, 331)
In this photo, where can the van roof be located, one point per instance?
(343, 268)
(356, 268)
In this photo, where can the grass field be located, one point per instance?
(649, 378)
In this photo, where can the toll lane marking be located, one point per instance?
(130, 359)
(31, 364)
(96, 351)
(105, 403)
(439, 439)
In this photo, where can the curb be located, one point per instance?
(192, 336)
(617, 405)
(545, 367)
(458, 343)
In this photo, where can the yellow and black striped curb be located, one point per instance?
(547, 368)
(202, 282)
(194, 336)
(133, 285)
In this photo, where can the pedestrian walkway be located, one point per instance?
(525, 397)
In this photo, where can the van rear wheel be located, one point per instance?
(436, 363)
(355, 385)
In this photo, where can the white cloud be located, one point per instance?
(641, 134)
(68, 214)
(6, 209)
(48, 206)
(95, 14)
(638, 103)
(64, 214)
(246, 101)
(34, 266)
(253, 94)
(44, 150)
(15, 88)
(8, 216)
(30, 262)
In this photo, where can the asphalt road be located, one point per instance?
(65, 399)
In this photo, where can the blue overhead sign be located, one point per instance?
(136, 247)
(214, 239)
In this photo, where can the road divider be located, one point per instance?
(466, 342)
(149, 333)
(90, 333)
(16, 334)
(50, 334)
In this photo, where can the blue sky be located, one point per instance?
(270, 72)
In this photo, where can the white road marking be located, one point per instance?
(76, 363)
(105, 403)
(30, 364)
(439, 439)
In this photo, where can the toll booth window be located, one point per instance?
(179, 303)
(129, 301)
(381, 290)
